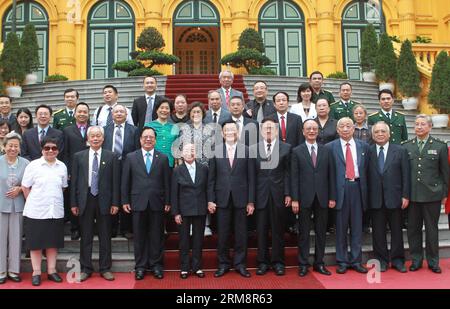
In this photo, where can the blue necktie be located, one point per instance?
(118, 147)
(148, 162)
(109, 118)
(94, 176)
(381, 159)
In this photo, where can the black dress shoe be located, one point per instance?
(184, 275)
(113, 233)
(321, 269)
(342, 269)
(279, 270)
(220, 272)
(75, 235)
(54, 277)
(243, 272)
(262, 269)
(14, 277)
(139, 275)
(360, 269)
(436, 269)
(399, 267)
(199, 273)
(383, 267)
(2, 280)
(36, 280)
(303, 271)
(158, 274)
(415, 267)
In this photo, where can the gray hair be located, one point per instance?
(426, 117)
(344, 119)
(226, 71)
(119, 105)
(211, 92)
(10, 136)
(381, 123)
(95, 127)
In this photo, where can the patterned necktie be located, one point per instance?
(109, 118)
(283, 129)
(94, 175)
(313, 156)
(149, 111)
(148, 161)
(269, 151)
(227, 96)
(421, 143)
(349, 167)
(118, 145)
(381, 159)
(82, 131)
(215, 117)
(260, 115)
(41, 135)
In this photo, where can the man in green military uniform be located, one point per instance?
(316, 82)
(429, 182)
(343, 107)
(394, 119)
(66, 116)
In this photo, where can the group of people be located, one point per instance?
(264, 165)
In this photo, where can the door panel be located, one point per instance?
(99, 53)
(352, 46)
(293, 51)
(122, 48)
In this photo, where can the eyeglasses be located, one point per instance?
(52, 148)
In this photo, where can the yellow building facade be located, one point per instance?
(81, 39)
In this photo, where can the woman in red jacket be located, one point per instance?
(447, 204)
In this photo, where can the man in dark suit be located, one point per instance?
(429, 183)
(30, 147)
(121, 138)
(95, 196)
(75, 140)
(216, 114)
(146, 194)
(260, 107)
(5, 109)
(248, 129)
(389, 183)
(144, 107)
(272, 196)
(232, 193)
(351, 159)
(313, 192)
(189, 198)
(226, 91)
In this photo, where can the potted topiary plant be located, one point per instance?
(408, 77)
(439, 95)
(30, 47)
(368, 53)
(386, 63)
(11, 60)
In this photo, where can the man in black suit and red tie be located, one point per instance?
(272, 196)
(313, 192)
(232, 194)
(389, 183)
(144, 107)
(146, 194)
(75, 139)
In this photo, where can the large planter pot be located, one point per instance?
(384, 85)
(410, 104)
(440, 120)
(14, 91)
(369, 77)
(30, 79)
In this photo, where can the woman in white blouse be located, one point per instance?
(304, 108)
(42, 184)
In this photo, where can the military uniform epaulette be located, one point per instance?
(408, 141)
(437, 140)
(400, 113)
(59, 111)
(373, 114)
(337, 102)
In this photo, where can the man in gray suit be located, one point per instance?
(226, 92)
(216, 114)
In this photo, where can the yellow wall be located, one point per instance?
(404, 18)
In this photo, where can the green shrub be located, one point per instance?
(150, 39)
(127, 65)
(30, 49)
(144, 72)
(251, 39)
(247, 58)
(55, 78)
(386, 63)
(369, 48)
(439, 95)
(338, 75)
(422, 40)
(262, 71)
(157, 58)
(11, 61)
(408, 77)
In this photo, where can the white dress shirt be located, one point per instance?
(385, 150)
(217, 112)
(354, 153)
(103, 117)
(46, 181)
(144, 154)
(122, 131)
(279, 120)
(386, 112)
(191, 170)
(315, 147)
(240, 122)
(298, 109)
(91, 159)
(272, 145)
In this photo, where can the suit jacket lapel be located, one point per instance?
(36, 139)
(186, 173)
(390, 154)
(86, 161)
(141, 161)
(340, 151)
(306, 154)
(359, 154)
(319, 155)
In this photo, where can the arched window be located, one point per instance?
(281, 24)
(30, 13)
(356, 16)
(110, 37)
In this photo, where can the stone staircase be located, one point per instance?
(129, 88)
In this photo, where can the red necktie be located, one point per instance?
(227, 96)
(283, 129)
(349, 167)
